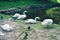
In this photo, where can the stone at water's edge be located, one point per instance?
(1, 34)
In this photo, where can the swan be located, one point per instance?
(32, 20)
(47, 22)
(6, 27)
(22, 16)
(16, 15)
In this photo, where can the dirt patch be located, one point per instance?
(11, 35)
(42, 34)
(34, 34)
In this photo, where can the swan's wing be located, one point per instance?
(3, 27)
(19, 17)
(16, 15)
(30, 19)
(23, 16)
(6, 27)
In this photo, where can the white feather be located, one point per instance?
(47, 22)
(16, 15)
(23, 16)
(32, 20)
(6, 27)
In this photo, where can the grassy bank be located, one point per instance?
(37, 25)
(37, 30)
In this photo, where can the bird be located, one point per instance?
(47, 22)
(32, 20)
(28, 28)
(23, 16)
(6, 27)
(1, 17)
(16, 15)
(25, 36)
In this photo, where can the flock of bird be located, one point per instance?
(46, 22)
(23, 16)
(20, 16)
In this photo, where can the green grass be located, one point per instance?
(5, 16)
(6, 5)
(38, 26)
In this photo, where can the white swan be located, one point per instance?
(16, 15)
(47, 22)
(6, 27)
(22, 16)
(32, 20)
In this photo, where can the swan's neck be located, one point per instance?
(35, 19)
(24, 12)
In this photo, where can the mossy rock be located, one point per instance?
(54, 13)
(55, 1)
